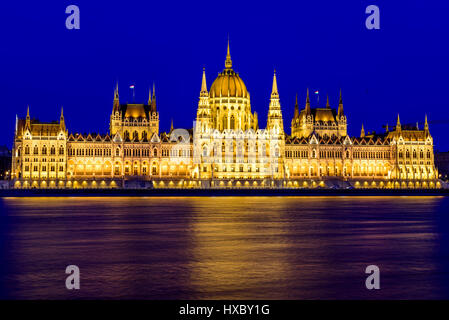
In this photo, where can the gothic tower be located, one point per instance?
(275, 123)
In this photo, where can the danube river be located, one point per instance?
(224, 247)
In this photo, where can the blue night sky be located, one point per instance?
(324, 45)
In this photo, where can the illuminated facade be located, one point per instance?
(226, 148)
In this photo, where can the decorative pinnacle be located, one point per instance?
(275, 84)
(203, 83)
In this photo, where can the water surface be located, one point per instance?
(224, 247)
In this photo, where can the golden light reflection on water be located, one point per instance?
(222, 247)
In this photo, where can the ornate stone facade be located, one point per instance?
(226, 148)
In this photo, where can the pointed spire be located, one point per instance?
(274, 91)
(398, 124)
(28, 121)
(116, 103)
(149, 97)
(340, 106)
(61, 119)
(116, 97)
(308, 110)
(204, 83)
(426, 124)
(387, 128)
(296, 113)
(417, 125)
(153, 100)
(362, 132)
(327, 102)
(171, 126)
(228, 61)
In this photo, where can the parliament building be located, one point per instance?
(226, 148)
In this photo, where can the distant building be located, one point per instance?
(442, 163)
(5, 163)
(226, 148)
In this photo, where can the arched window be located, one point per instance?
(144, 135)
(27, 150)
(61, 150)
(52, 150)
(126, 135)
(117, 152)
(135, 136)
(232, 122)
(155, 152)
(44, 150)
(36, 150)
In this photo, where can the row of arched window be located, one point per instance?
(44, 150)
(89, 152)
(135, 136)
(414, 154)
(372, 155)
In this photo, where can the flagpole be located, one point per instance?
(134, 96)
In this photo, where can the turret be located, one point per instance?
(362, 132)
(203, 115)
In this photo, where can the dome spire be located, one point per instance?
(228, 61)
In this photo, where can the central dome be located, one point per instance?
(228, 83)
